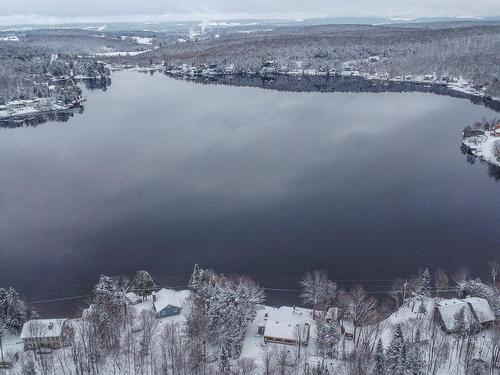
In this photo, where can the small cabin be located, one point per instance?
(166, 303)
(496, 130)
(44, 333)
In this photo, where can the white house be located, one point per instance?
(476, 311)
(44, 333)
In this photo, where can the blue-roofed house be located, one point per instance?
(166, 303)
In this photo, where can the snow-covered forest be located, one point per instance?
(428, 324)
(471, 51)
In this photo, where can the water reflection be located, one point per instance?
(493, 170)
(337, 84)
(160, 174)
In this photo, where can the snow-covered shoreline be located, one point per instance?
(484, 146)
(24, 108)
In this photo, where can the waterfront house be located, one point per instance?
(166, 303)
(476, 311)
(447, 311)
(44, 333)
(286, 325)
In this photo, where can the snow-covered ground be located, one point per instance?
(484, 146)
(18, 108)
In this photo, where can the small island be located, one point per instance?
(483, 140)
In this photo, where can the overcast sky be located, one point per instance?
(62, 11)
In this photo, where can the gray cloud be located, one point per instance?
(60, 11)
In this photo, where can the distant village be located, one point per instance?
(349, 69)
(221, 326)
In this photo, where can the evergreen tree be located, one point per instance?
(379, 366)
(426, 283)
(327, 340)
(14, 312)
(143, 284)
(397, 354)
(415, 360)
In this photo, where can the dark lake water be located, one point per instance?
(158, 174)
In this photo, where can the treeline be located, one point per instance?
(471, 52)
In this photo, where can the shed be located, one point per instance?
(166, 303)
(44, 333)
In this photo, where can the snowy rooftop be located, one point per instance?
(166, 297)
(284, 322)
(482, 309)
(449, 308)
(40, 328)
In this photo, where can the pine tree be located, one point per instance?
(426, 283)
(397, 354)
(143, 284)
(327, 340)
(379, 366)
(415, 360)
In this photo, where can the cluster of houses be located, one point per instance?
(284, 325)
(51, 333)
(348, 69)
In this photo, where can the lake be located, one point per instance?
(159, 174)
